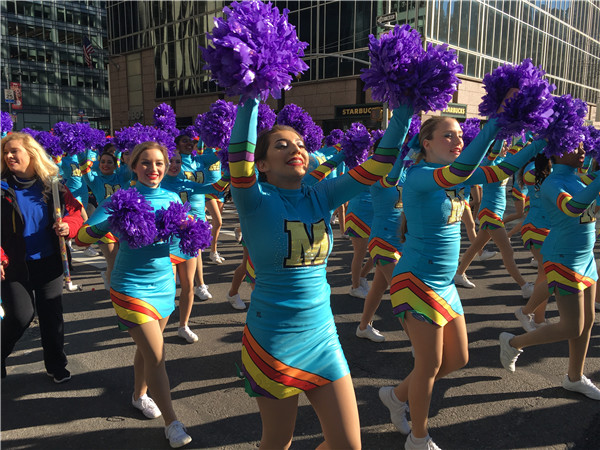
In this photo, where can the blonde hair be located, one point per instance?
(43, 166)
(137, 151)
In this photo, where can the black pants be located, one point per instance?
(41, 292)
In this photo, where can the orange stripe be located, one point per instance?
(421, 290)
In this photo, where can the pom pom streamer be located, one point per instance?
(266, 117)
(565, 131)
(529, 109)
(592, 141)
(6, 123)
(164, 119)
(194, 235)
(356, 144)
(470, 129)
(50, 143)
(294, 116)
(334, 137)
(131, 217)
(216, 124)
(402, 72)
(254, 51)
(77, 137)
(170, 220)
(128, 137)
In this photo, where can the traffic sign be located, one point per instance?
(9, 96)
(386, 18)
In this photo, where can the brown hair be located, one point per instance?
(141, 148)
(262, 145)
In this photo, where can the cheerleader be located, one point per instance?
(570, 270)
(424, 296)
(359, 217)
(142, 292)
(290, 343)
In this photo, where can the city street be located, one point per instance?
(480, 406)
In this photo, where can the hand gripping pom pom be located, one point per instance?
(194, 235)
(254, 51)
(529, 109)
(131, 217)
(565, 131)
(170, 220)
(356, 144)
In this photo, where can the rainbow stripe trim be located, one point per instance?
(564, 279)
(355, 227)
(532, 236)
(241, 163)
(488, 220)
(452, 175)
(270, 377)
(409, 293)
(569, 206)
(250, 274)
(382, 252)
(132, 311)
(375, 167)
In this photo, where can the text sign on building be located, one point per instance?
(457, 110)
(386, 18)
(363, 110)
(9, 96)
(16, 88)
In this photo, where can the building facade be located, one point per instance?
(44, 64)
(155, 56)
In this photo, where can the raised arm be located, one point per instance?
(574, 205)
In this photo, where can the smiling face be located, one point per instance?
(175, 165)
(286, 160)
(107, 164)
(17, 159)
(445, 144)
(185, 145)
(150, 167)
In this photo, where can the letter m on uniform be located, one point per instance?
(306, 248)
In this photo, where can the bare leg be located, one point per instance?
(476, 194)
(360, 250)
(335, 405)
(381, 281)
(109, 251)
(539, 299)
(519, 211)
(149, 366)
(238, 275)
(186, 271)
(508, 255)
(341, 212)
(199, 271)
(214, 210)
(516, 229)
(366, 268)
(467, 258)
(278, 421)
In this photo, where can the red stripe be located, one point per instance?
(133, 307)
(421, 293)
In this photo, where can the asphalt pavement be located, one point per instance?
(479, 407)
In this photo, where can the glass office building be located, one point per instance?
(163, 37)
(43, 62)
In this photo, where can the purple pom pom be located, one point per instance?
(392, 56)
(356, 144)
(164, 119)
(592, 141)
(190, 132)
(530, 109)
(216, 124)
(470, 129)
(131, 217)
(168, 221)
(50, 143)
(6, 123)
(565, 131)
(414, 128)
(194, 235)
(254, 51)
(334, 137)
(376, 135)
(266, 117)
(30, 131)
(128, 137)
(294, 116)
(77, 137)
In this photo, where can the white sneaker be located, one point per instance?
(346, 237)
(427, 444)
(90, 252)
(187, 334)
(583, 386)
(334, 220)
(236, 302)
(462, 280)
(238, 234)
(147, 406)
(358, 292)
(364, 283)
(176, 434)
(370, 333)
(526, 320)
(216, 258)
(486, 254)
(202, 292)
(508, 354)
(527, 289)
(397, 409)
(534, 263)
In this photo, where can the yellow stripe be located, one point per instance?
(241, 169)
(276, 389)
(408, 296)
(132, 316)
